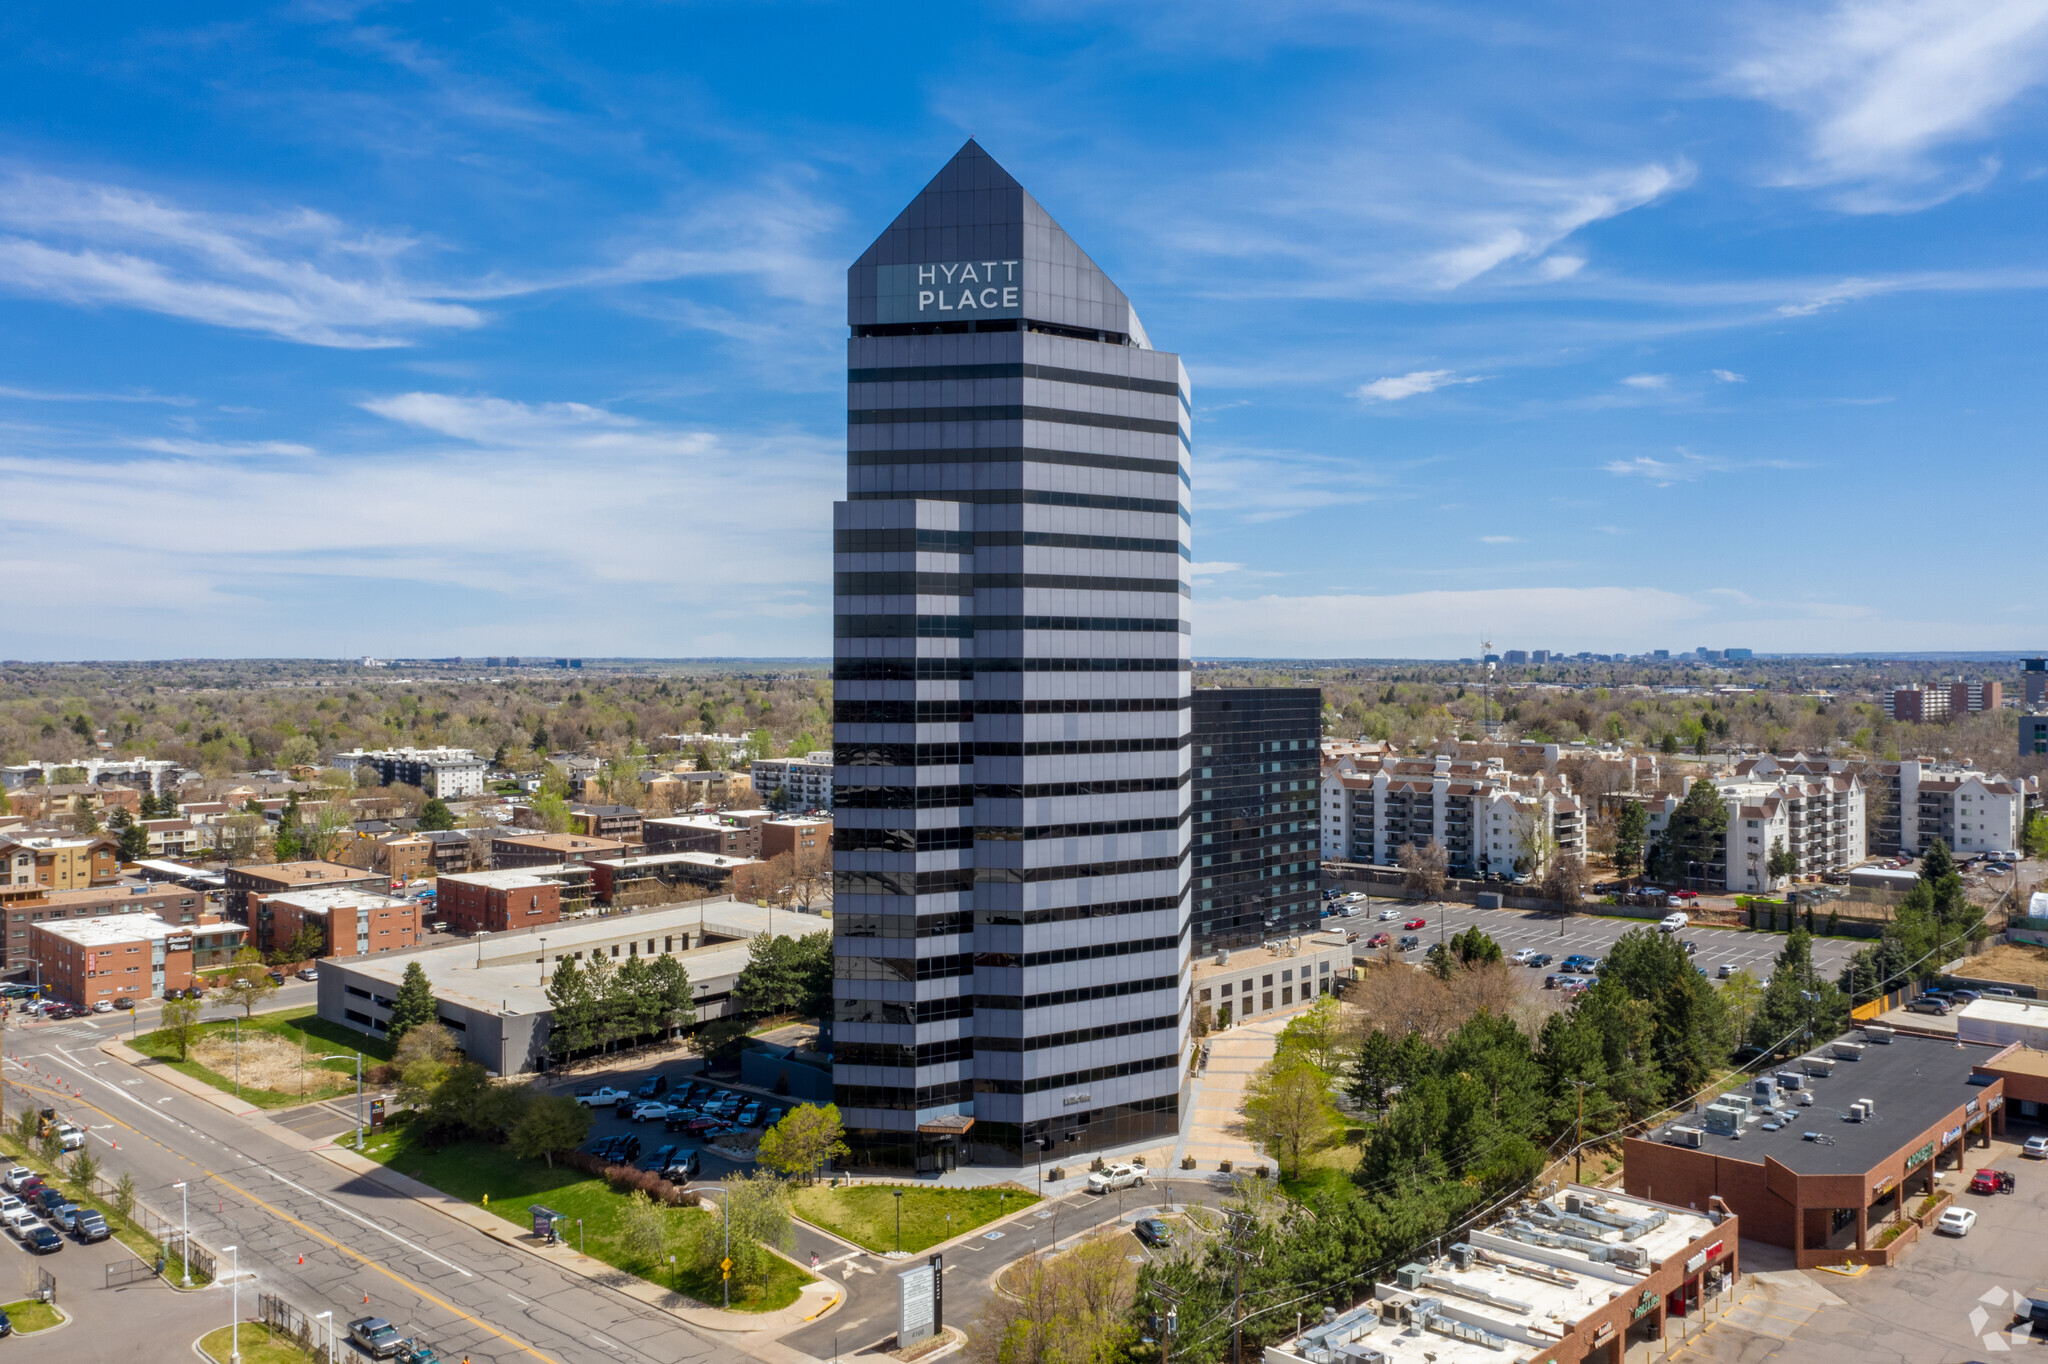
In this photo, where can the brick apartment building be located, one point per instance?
(173, 904)
(493, 901)
(246, 885)
(32, 864)
(620, 823)
(735, 833)
(536, 849)
(653, 878)
(353, 924)
(807, 836)
(457, 850)
(126, 956)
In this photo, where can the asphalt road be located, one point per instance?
(430, 1274)
(1590, 934)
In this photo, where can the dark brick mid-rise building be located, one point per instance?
(1257, 773)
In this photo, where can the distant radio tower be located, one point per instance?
(1486, 723)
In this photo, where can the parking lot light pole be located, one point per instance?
(185, 1198)
(328, 1317)
(235, 1313)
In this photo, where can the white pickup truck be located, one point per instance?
(1116, 1177)
(604, 1096)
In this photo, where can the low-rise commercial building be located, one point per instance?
(351, 923)
(1235, 984)
(1581, 1277)
(1827, 1150)
(522, 849)
(246, 885)
(132, 956)
(489, 993)
(173, 904)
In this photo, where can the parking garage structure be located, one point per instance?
(1826, 1154)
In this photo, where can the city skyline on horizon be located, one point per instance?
(331, 336)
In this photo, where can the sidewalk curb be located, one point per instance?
(804, 1310)
(177, 1079)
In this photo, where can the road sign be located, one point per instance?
(726, 1264)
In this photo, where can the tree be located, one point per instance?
(435, 815)
(758, 1212)
(1426, 868)
(424, 1057)
(1074, 1308)
(1287, 1110)
(552, 808)
(551, 1124)
(786, 975)
(84, 1170)
(643, 1229)
(1564, 880)
(573, 1009)
(1316, 1034)
(134, 841)
(1741, 996)
(414, 1004)
(807, 1137)
(249, 982)
(1692, 839)
(1782, 862)
(1797, 1008)
(178, 1024)
(2034, 838)
(124, 1195)
(675, 1006)
(306, 945)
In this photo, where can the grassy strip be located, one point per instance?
(867, 1214)
(299, 1027)
(260, 1345)
(31, 1315)
(128, 1233)
(474, 1172)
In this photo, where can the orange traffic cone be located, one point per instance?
(302, 1259)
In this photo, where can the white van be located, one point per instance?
(1672, 923)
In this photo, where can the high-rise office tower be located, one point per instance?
(1255, 830)
(1010, 727)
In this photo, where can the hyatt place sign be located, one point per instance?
(951, 291)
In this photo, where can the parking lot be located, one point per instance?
(1564, 935)
(616, 1120)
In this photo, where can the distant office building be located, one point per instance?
(443, 772)
(2033, 735)
(2034, 672)
(1515, 656)
(1660, 653)
(1738, 655)
(1968, 697)
(1254, 833)
(1540, 655)
(1916, 704)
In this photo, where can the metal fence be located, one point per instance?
(38, 1282)
(121, 1273)
(314, 1335)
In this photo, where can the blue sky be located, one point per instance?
(333, 328)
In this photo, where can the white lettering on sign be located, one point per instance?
(905, 293)
(1073, 1099)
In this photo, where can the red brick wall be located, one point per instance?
(473, 908)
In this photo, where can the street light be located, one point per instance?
(899, 1221)
(543, 962)
(185, 1199)
(235, 1316)
(328, 1317)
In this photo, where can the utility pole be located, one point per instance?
(1240, 1223)
(1579, 1134)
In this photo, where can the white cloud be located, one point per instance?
(1648, 381)
(1500, 539)
(1270, 485)
(299, 275)
(1215, 569)
(1395, 387)
(1882, 86)
(1729, 376)
(33, 395)
(1687, 468)
(233, 449)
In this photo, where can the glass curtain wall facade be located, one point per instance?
(1010, 726)
(1257, 769)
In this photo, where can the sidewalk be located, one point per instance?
(177, 1079)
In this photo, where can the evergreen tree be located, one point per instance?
(1798, 1008)
(1631, 827)
(436, 815)
(573, 1010)
(671, 983)
(414, 1004)
(1693, 837)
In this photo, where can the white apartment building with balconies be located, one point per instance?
(1485, 818)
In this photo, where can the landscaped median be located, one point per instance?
(278, 1056)
(867, 1214)
(603, 1222)
(259, 1345)
(31, 1315)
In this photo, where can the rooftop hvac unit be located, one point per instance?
(1409, 1276)
(1679, 1135)
(1741, 1103)
(1848, 1051)
(1857, 1112)
(1869, 1107)
(1790, 1079)
(1722, 1118)
(1879, 1033)
(1461, 1256)
(1819, 1066)
(1356, 1353)
(1633, 1257)
(1223, 956)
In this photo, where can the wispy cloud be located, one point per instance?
(299, 275)
(237, 449)
(1500, 539)
(1214, 569)
(1728, 376)
(1881, 87)
(32, 395)
(1648, 381)
(1687, 468)
(1251, 485)
(1395, 387)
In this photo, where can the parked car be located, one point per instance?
(1727, 970)
(103, 1006)
(64, 1217)
(16, 1176)
(653, 1087)
(1929, 1004)
(660, 1156)
(646, 1110)
(679, 1119)
(1521, 958)
(1687, 895)
(124, 1003)
(1379, 940)
(1389, 915)
(309, 973)
(1673, 923)
(91, 1227)
(1119, 1176)
(1579, 961)
(1540, 959)
(18, 1220)
(2036, 1147)
(705, 1126)
(377, 1337)
(1956, 1222)
(6, 1325)
(1153, 1232)
(2000, 992)
(47, 1198)
(1417, 922)
(750, 1116)
(43, 1239)
(277, 977)
(603, 1096)
(1409, 943)
(1992, 1181)
(773, 1116)
(1958, 998)
(682, 1169)
(1691, 948)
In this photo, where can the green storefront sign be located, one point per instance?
(1649, 1300)
(1920, 1155)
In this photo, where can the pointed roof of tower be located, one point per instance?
(974, 212)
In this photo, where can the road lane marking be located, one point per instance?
(383, 1231)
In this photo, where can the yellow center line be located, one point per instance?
(310, 1231)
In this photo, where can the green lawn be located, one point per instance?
(260, 1345)
(866, 1214)
(472, 1170)
(30, 1315)
(296, 1027)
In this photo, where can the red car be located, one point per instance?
(1416, 923)
(1992, 1181)
(1379, 940)
(1686, 894)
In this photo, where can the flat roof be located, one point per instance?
(1523, 1294)
(306, 873)
(335, 897)
(1914, 1081)
(110, 930)
(534, 838)
(509, 878)
(1268, 954)
(700, 859)
(498, 973)
(2013, 1013)
(2018, 1060)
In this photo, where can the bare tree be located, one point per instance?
(1564, 881)
(1426, 868)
